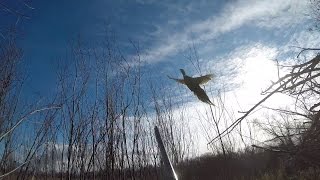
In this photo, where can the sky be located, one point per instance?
(236, 40)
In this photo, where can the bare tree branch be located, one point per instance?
(26, 116)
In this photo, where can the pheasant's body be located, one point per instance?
(194, 85)
(190, 83)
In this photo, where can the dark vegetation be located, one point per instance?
(97, 126)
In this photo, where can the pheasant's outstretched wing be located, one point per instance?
(178, 80)
(202, 96)
(203, 79)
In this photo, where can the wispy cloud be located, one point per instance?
(263, 14)
(302, 39)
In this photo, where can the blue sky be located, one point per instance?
(164, 30)
(235, 39)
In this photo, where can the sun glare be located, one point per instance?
(257, 71)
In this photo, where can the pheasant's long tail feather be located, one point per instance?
(202, 96)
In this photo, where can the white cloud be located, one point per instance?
(267, 14)
(275, 13)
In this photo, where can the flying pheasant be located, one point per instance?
(194, 85)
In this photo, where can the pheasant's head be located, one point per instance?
(182, 71)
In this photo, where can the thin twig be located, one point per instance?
(305, 49)
(25, 116)
(17, 13)
(8, 173)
